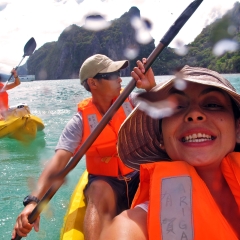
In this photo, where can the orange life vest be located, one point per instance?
(101, 157)
(180, 204)
(3, 99)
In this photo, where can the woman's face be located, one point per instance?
(202, 130)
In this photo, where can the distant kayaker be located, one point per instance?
(186, 136)
(4, 95)
(111, 185)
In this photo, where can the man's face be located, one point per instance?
(110, 84)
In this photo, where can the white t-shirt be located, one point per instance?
(144, 206)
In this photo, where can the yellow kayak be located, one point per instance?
(73, 220)
(20, 124)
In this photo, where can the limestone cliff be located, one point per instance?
(62, 59)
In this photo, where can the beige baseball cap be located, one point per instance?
(99, 63)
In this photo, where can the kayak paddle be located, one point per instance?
(29, 48)
(168, 37)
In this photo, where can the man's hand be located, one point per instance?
(22, 226)
(143, 80)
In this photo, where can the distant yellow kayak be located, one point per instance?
(73, 220)
(20, 124)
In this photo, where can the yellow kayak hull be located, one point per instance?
(21, 128)
(73, 220)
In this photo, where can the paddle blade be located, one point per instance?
(29, 47)
(182, 19)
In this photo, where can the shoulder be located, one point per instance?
(84, 103)
(74, 127)
(130, 224)
(75, 121)
(71, 135)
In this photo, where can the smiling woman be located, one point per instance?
(188, 160)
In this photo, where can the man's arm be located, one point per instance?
(56, 164)
(68, 141)
(15, 83)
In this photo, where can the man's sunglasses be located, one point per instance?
(108, 76)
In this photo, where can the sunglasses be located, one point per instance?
(108, 76)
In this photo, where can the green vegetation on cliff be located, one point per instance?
(62, 59)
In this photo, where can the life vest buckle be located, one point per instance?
(106, 159)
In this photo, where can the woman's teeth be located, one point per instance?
(197, 137)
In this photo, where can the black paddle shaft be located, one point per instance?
(168, 37)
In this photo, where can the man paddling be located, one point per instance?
(111, 185)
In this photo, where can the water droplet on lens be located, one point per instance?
(131, 52)
(136, 22)
(79, 1)
(180, 84)
(143, 36)
(232, 30)
(42, 74)
(225, 45)
(96, 23)
(180, 49)
(148, 24)
(142, 28)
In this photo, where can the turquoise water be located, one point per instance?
(20, 165)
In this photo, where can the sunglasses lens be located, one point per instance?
(113, 76)
(108, 76)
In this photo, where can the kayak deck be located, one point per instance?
(20, 124)
(73, 220)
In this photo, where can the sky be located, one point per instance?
(46, 19)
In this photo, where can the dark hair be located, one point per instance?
(85, 85)
(236, 110)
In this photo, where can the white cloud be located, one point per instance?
(46, 19)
